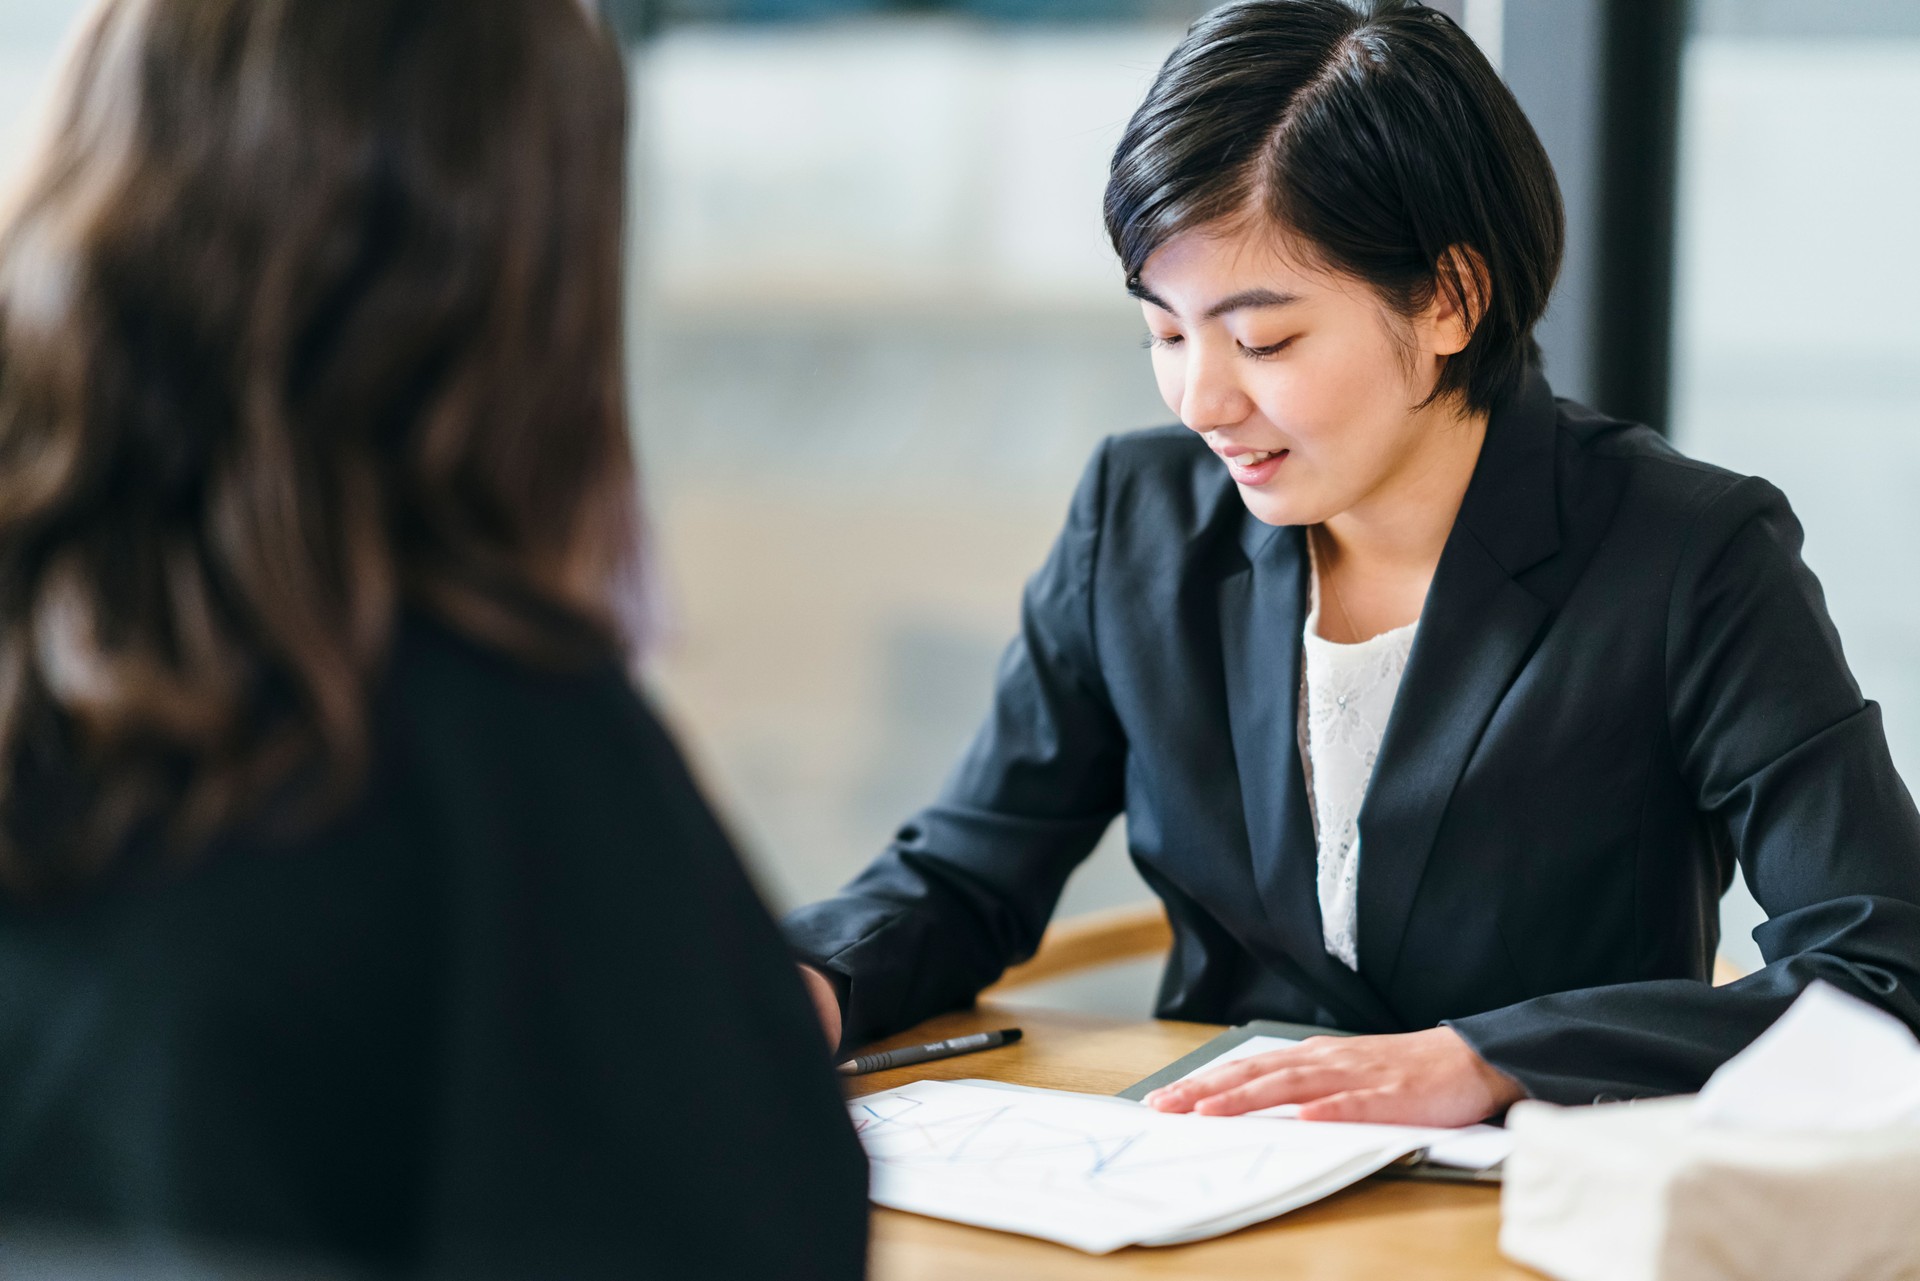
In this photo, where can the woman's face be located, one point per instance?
(1302, 381)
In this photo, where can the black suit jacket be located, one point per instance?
(1624, 681)
(517, 1014)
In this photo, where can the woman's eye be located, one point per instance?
(1161, 340)
(1261, 353)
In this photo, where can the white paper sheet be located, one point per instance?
(1094, 1172)
(1471, 1147)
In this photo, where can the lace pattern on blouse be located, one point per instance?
(1347, 693)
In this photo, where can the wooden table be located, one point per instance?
(1380, 1228)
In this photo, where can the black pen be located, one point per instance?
(908, 1055)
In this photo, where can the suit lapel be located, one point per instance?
(1476, 632)
(1262, 610)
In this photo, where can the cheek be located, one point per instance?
(1300, 403)
(1322, 399)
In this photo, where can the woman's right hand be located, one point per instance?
(825, 1003)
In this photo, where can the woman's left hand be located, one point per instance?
(1413, 1078)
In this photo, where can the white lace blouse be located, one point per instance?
(1347, 693)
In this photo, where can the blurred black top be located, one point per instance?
(518, 1013)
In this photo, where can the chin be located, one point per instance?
(1273, 509)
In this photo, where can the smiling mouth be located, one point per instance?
(1253, 459)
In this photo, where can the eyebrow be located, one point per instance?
(1233, 302)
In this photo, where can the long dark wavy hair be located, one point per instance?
(309, 314)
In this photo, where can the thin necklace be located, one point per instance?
(1327, 577)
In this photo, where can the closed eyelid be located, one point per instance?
(1268, 349)
(1153, 339)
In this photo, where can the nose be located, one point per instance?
(1210, 393)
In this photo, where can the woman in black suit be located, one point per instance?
(353, 907)
(1439, 710)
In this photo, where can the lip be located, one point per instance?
(1255, 476)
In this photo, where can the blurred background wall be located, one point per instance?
(880, 332)
(1796, 350)
(877, 330)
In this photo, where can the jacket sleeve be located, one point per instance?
(967, 885)
(1774, 741)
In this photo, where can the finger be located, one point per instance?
(1288, 1085)
(1378, 1104)
(1182, 1094)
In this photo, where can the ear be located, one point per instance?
(1461, 290)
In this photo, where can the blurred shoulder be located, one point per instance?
(431, 656)
(1160, 456)
(450, 696)
(1164, 483)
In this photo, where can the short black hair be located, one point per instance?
(1377, 134)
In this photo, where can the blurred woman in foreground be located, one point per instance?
(341, 863)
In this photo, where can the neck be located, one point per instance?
(1403, 522)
